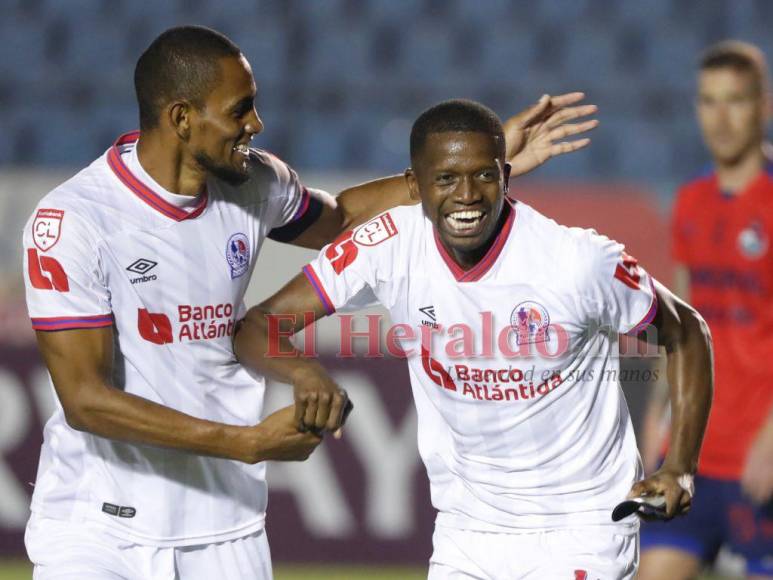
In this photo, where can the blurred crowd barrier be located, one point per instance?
(362, 499)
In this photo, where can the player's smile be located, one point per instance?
(228, 122)
(460, 180)
(241, 151)
(466, 222)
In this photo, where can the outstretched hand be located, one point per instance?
(677, 488)
(538, 133)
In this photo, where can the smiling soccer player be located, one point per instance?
(524, 475)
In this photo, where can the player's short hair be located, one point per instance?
(182, 63)
(739, 56)
(457, 115)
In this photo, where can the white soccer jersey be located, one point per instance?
(111, 247)
(522, 423)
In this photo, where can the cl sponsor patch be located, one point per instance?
(47, 228)
(237, 254)
(530, 321)
(375, 231)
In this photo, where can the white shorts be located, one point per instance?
(64, 551)
(589, 553)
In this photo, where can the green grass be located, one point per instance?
(11, 570)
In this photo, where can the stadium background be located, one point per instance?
(339, 83)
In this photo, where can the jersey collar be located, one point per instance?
(759, 183)
(481, 268)
(141, 190)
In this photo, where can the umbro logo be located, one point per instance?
(142, 267)
(429, 312)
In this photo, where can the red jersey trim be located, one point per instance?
(650, 316)
(316, 283)
(72, 322)
(481, 268)
(124, 174)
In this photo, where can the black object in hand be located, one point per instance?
(652, 506)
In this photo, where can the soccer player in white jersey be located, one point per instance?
(136, 268)
(510, 323)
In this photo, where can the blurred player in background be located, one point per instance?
(523, 428)
(723, 225)
(153, 463)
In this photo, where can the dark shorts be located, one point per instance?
(720, 515)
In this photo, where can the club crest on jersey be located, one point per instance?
(530, 321)
(47, 228)
(237, 253)
(752, 241)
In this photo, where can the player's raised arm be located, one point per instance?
(685, 336)
(533, 136)
(262, 343)
(81, 364)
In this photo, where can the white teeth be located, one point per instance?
(468, 215)
(242, 148)
(464, 220)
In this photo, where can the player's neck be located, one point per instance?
(167, 165)
(736, 176)
(468, 260)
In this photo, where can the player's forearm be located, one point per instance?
(263, 345)
(690, 375)
(360, 203)
(115, 414)
(652, 432)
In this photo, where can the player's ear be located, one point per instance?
(179, 118)
(506, 173)
(413, 185)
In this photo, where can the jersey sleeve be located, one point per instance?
(622, 291)
(64, 284)
(349, 273)
(297, 207)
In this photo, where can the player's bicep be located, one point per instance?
(80, 363)
(669, 321)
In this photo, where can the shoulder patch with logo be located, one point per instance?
(343, 251)
(47, 228)
(375, 231)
